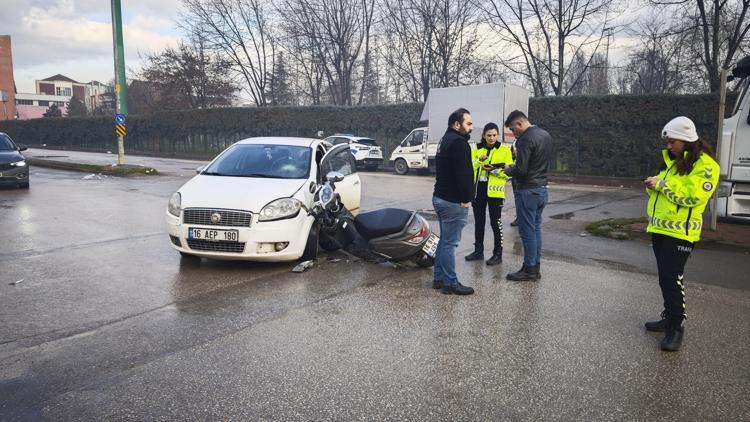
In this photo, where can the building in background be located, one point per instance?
(33, 106)
(100, 96)
(7, 83)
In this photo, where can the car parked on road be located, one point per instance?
(252, 201)
(367, 153)
(14, 171)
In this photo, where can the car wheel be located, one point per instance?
(401, 167)
(311, 247)
(425, 261)
(24, 185)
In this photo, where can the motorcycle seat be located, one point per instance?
(381, 223)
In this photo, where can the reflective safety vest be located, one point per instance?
(675, 206)
(496, 178)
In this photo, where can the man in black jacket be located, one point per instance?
(454, 191)
(533, 152)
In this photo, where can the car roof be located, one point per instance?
(280, 140)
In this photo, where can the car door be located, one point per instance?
(341, 160)
(413, 146)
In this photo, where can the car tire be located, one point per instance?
(24, 185)
(401, 167)
(425, 261)
(311, 247)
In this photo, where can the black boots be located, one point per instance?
(673, 337)
(456, 289)
(497, 257)
(526, 273)
(657, 326)
(476, 255)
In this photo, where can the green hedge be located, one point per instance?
(601, 136)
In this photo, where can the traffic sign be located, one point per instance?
(120, 119)
(120, 130)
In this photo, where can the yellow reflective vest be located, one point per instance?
(496, 178)
(675, 206)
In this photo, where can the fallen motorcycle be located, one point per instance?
(389, 234)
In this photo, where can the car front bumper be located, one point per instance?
(255, 243)
(10, 175)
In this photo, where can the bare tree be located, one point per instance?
(717, 30)
(587, 75)
(435, 42)
(241, 31)
(337, 34)
(548, 35)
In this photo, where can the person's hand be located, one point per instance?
(488, 167)
(465, 204)
(507, 169)
(482, 157)
(651, 182)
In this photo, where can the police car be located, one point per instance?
(367, 153)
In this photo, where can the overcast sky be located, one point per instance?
(74, 37)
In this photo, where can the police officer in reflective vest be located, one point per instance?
(677, 197)
(489, 159)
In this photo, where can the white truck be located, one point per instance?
(486, 103)
(734, 155)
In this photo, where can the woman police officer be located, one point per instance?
(677, 197)
(489, 158)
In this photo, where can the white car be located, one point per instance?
(367, 153)
(251, 202)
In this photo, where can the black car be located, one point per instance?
(13, 168)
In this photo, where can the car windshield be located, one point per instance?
(6, 144)
(267, 161)
(366, 141)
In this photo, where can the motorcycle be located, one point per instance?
(389, 234)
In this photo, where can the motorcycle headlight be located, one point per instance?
(21, 163)
(175, 203)
(326, 194)
(280, 209)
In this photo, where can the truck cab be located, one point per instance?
(412, 152)
(734, 155)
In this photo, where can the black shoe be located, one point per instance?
(475, 256)
(537, 272)
(673, 339)
(514, 223)
(457, 289)
(437, 284)
(658, 326)
(497, 258)
(524, 274)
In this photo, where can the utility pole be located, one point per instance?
(121, 87)
(722, 105)
(608, 30)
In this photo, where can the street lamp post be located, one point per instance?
(121, 87)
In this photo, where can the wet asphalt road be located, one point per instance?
(109, 324)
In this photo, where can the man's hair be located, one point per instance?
(457, 116)
(513, 116)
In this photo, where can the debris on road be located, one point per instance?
(16, 282)
(302, 266)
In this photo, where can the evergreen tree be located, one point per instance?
(280, 91)
(76, 108)
(53, 111)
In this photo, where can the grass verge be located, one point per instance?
(614, 228)
(126, 170)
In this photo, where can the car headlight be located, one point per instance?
(21, 163)
(280, 209)
(175, 203)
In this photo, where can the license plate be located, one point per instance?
(195, 233)
(430, 247)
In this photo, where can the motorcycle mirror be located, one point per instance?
(334, 176)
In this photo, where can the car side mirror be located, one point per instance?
(22, 148)
(334, 176)
(200, 169)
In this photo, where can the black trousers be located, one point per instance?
(671, 256)
(480, 206)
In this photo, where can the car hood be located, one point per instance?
(237, 193)
(10, 157)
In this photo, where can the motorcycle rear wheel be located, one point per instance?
(425, 261)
